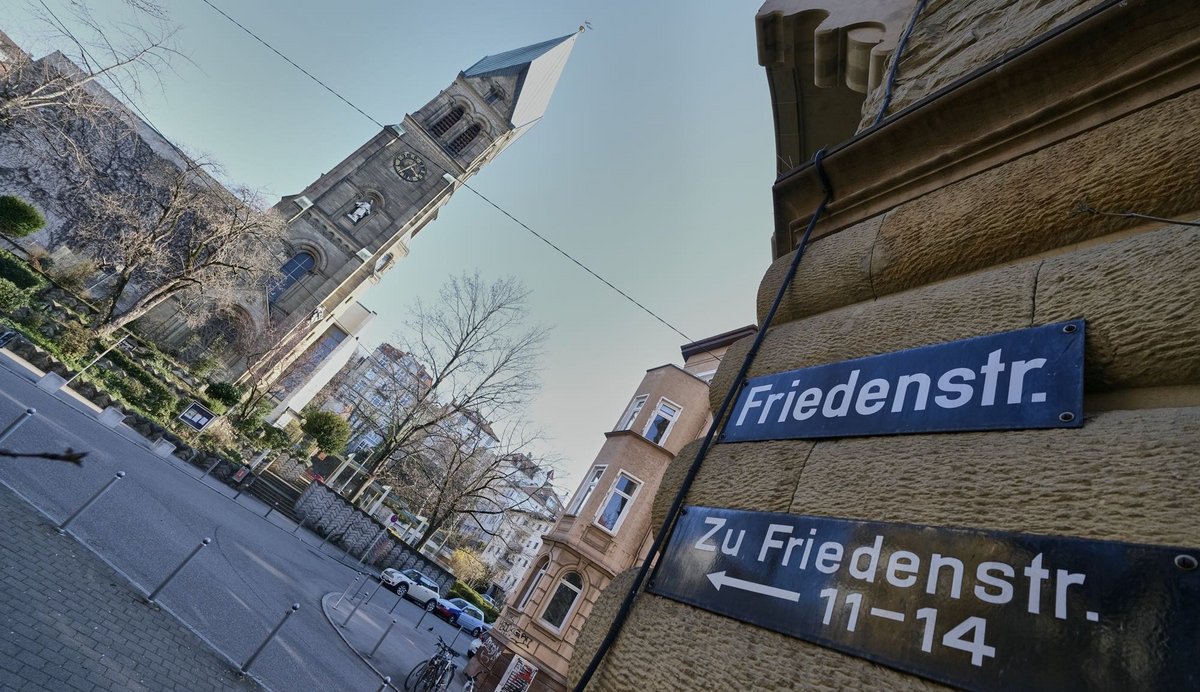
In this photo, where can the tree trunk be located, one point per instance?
(140, 307)
(429, 531)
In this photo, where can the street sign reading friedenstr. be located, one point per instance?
(978, 609)
(1029, 378)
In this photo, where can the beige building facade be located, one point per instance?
(606, 526)
(1036, 164)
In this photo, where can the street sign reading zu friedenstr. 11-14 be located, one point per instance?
(1029, 378)
(977, 609)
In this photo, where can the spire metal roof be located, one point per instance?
(537, 68)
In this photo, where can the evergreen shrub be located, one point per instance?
(19, 218)
(12, 298)
(17, 272)
(225, 392)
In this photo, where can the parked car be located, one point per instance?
(412, 585)
(444, 609)
(465, 615)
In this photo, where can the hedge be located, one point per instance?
(18, 272)
(490, 613)
(11, 296)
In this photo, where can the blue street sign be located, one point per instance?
(981, 610)
(1030, 378)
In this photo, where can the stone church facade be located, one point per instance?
(355, 222)
(1037, 163)
(344, 231)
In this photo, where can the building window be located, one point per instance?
(533, 584)
(635, 407)
(291, 272)
(585, 490)
(464, 140)
(661, 422)
(447, 121)
(496, 94)
(616, 506)
(563, 600)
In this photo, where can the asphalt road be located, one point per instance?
(237, 589)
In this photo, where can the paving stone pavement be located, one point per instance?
(69, 623)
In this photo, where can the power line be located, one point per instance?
(522, 224)
(581, 265)
(289, 61)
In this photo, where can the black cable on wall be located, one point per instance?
(664, 532)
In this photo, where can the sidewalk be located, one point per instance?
(68, 623)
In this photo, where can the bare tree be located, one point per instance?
(468, 352)
(466, 473)
(55, 100)
(179, 232)
(268, 357)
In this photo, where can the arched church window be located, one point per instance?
(447, 121)
(563, 600)
(290, 273)
(468, 135)
(496, 94)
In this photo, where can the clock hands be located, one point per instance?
(410, 167)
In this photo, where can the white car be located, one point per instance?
(412, 585)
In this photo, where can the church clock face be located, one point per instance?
(409, 166)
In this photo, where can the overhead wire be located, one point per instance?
(292, 63)
(502, 210)
(663, 535)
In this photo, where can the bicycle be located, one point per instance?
(469, 685)
(434, 674)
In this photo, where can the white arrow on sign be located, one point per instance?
(719, 579)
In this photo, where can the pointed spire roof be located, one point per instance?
(537, 69)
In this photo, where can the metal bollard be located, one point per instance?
(352, 584)
(246, 666)
(62, 528)
(209, 470)
(380, 642)
(360, 604)
(300, 526)
(17, 423)
(387, 682)
(274, 506)
(363, 587)
(422, 619)
(150, 598)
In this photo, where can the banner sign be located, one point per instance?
(1030, 378)
(981, 610)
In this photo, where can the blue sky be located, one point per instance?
(653, 164)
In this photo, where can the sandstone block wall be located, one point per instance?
(1003, 249)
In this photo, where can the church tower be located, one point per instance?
(354, 223)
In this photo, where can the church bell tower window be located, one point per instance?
(447, 121)
(463, 140)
